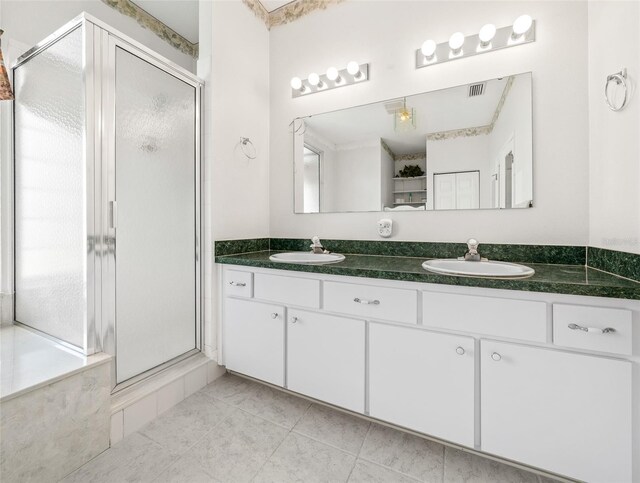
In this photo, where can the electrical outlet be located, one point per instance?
(385, 227)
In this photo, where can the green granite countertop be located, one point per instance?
(549, 278)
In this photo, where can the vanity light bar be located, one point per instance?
(354, 73)
(523, 31)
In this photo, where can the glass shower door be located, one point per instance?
(154, 214)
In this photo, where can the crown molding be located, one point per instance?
(149, 22)
(287, 13)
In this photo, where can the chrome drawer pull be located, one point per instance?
(496, 357)
(460, 351)
(294, 320)
(238, 284)
(366, 302)
(274, 315)
(591, 330)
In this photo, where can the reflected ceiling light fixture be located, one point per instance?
(488, 39)
(404, 119)
(333, 78)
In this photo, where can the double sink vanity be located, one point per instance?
(542, 370)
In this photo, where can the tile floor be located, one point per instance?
(235, 430)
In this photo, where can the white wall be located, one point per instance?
(614, 137)
(386, 34)
(234, 53)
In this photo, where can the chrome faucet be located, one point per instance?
(472, 254)
(316, 246)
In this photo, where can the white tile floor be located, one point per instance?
(235, 430)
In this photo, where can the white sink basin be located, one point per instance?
(490, 269)
(306, 257)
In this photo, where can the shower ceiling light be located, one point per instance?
(352, 74)
(488, 39)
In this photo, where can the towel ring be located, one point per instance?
(619, 78)
(244, 143)
(296, 130)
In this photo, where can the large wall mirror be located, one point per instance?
(465, 147)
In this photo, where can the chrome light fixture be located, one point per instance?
(488, 39)
(353, 73)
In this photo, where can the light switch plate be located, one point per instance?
(385, 227)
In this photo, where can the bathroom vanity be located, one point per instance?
(548, 380)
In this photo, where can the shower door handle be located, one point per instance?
(113, 214)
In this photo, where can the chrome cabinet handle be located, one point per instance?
(366, 302)
(496, 357)
(591, 330)
(459, 351)
(274, 315)
(294, 320)
(237, 284)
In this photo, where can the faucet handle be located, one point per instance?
(316, 241)
(472, 244)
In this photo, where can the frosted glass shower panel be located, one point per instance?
(50, 182)
(155, 164)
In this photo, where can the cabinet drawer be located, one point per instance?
(586, 327)
(301, 292)
(514, 319)
(368, 301)
(238, 284)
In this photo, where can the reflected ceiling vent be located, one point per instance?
(393, 106)
(476, 89)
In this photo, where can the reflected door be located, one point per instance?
(155, 192)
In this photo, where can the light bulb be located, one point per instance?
(487, 33)
(353, 68)
(333, 74)
(521, 26)
(314, 79)
(456, 42)
(428, 49)
(296, 83)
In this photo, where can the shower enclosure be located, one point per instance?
(107, 198)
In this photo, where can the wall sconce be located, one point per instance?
(489, 38)
(334, 78)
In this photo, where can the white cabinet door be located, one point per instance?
(563, 412)
(326, 358)
(423, 381)
(254, 339)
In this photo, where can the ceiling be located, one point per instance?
(435, 111)
(179, 15)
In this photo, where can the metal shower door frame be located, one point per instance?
(108, 42)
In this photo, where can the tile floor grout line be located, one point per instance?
(324, 443)
(444, 461)
(365, 439)
(270, 456)
(390, 468)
